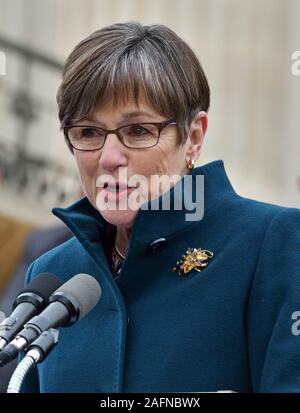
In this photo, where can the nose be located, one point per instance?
(113, 153)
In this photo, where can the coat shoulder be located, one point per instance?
(258, 214)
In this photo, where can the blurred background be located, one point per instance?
(245, 47)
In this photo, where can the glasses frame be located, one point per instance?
(160, 126)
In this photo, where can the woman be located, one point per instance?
(187, 304)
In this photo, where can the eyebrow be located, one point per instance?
(135, 114)
(124, 117)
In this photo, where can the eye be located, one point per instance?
(138, 130)
(91, 133)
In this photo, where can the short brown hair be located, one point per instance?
(124, 59)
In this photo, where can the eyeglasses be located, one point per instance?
(135, 136)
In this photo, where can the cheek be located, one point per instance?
(150, 166)
(86, 163)
(87, 167)
(168, 159)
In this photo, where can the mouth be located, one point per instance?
(115, 187)
(115, 191)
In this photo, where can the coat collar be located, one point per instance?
(87, 223)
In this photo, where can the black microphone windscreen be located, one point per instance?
(85, 289)
(43, 285)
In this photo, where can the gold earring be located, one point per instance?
(191, 164)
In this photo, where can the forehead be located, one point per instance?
(125, 109)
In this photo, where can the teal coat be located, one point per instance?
(231, 326)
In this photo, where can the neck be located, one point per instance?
(122, 239)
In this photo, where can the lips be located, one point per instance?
(115, 186)
(115, 192)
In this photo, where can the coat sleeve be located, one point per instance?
(31, 382)
(273, 331)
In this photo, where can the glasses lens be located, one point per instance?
(140, 135)
(86, 138)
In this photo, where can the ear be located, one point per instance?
(196, 136)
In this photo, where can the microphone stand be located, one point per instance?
(35, 353)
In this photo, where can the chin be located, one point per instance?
(119, 218)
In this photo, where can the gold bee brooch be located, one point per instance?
(193, 259)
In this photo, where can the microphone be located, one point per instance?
(68, 304)
(31, 301)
